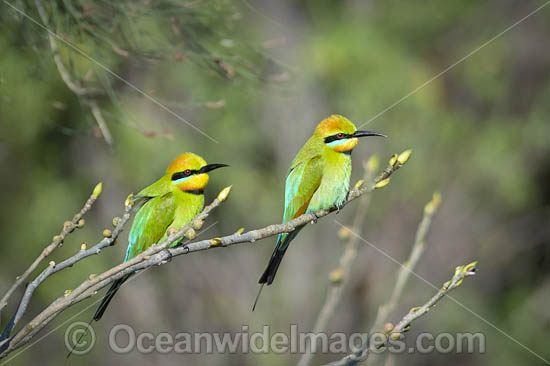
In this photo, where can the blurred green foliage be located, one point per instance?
(257, 77)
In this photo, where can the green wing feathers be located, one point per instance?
(302, 181)
(150, 224)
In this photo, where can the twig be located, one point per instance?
(403, 275)
(87, 93)
(97, 282)
(160, 253)
(61, 69)
(43, 324)
(339, 277)
(251, 236)
(96, 112)
(69, 262)
(68, 227)
(405, 271)
(404, 324)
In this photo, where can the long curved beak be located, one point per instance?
(367, 133)
(211, 167)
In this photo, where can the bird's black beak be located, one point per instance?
(211, 167)
(367, 133)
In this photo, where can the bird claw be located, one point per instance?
(315, 217)
(169, 259)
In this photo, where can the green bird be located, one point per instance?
(318, 179)
(169, 203)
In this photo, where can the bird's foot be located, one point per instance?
(315, 217)
(169, 258)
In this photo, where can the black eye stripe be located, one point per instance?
(183, 174)
(335, 137)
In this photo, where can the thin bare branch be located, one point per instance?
(87, 93)
(95, 282)
(96, 112)
(161, 253)
(405, 271)
(404, 324)
(68, 227)
(69, 262)
(339, 277)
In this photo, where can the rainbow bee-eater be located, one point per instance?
(169, 203)
(318, 179)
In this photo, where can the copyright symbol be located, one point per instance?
(75, 338)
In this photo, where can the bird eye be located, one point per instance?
(340, 135)
(187, 172)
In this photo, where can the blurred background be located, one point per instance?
(257, 77)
